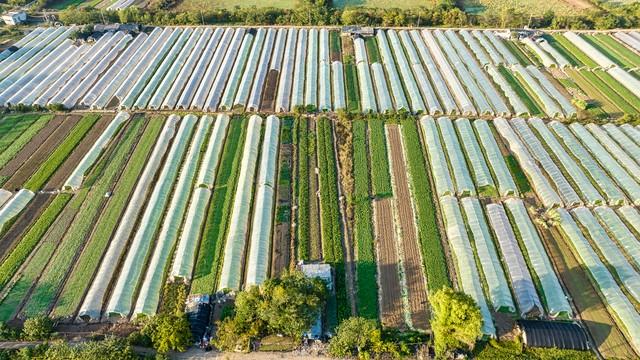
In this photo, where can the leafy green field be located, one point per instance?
(614, 50)
(303, 189)
(197, 5)
(520, 89)
(580, 58)
(16, 143)
(605, 88)
(380, 175)
(11, 127)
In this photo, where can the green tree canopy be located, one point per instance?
(362, 338)
(457, 321)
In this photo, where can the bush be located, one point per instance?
(362, 338)
(457, 321)
(37, 328)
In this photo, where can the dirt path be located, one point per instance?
(391, 311)
(65, 170)
(23, 222)
(39, 156)
(410, 257)
(269, 91)
(31, 147)
(280, 252)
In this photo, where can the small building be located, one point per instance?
(14, 17)
(355, 30)
(553, 334)
(322, 271)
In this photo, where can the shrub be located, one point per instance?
(37, 328)
(457, 321)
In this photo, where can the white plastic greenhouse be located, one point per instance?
(54, 82)
(248, 56)
(337, 80)
(506, 184)
(475, 47)
(481, 173)
(258, 56)
(422, 79)
(457, 162)
(277, 56)
(379, 80)
(631, 132)
(297, 89)
(505, 53)
(600, 58)
(437, 159)
(545, 58)
(286, 74)
(367, 95)
(21, 43)
(415, 98)
(629, 146)
(206, 174)
(615, 150)
(521, 281)
(619, 232)
(516, 102)
(551, 108)
(567, 108)
(223, 72)
(496, 58)
(555, 54)
(392, 72)
(200, 92)
(14, 206)
(465, 261)
(631, 215)
(628, 39)
(253, 102)
(311, 77)
(324, 76)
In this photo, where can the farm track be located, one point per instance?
(268, 102)
(281, 249)
(391, 308)
(65, 170)
(23, 174)
(416, 284)
(23, 222)
(31, 147)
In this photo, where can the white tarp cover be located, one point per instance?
(337, 79)
(297, 89)
(392, 72)
(207, 173)
(481, 173)
(545, 58)
(415, 98)
(600, 58)
(437, 159)
(229, 42)
(283, 99)
(14, 206)
(380, 82)
(255, 70)
(253, 103)
(311, 78)
(615, 150)
(506, 184)
(367, 95)
(457, 162)
(631, 216)
(619, 231)
(249, 51)
(630, 147)
(223, 70)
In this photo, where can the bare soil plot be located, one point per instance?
(281, 250)
(391, 308)
(411, 258)
(65, 170)
(269, 91)
(23, 222)
(23, 155)
(39, 156)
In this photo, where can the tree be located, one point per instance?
(37, 328)
(362, 338)
(171, 332)
(456, 320)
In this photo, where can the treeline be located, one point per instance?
(446, 13)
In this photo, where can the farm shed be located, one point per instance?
(553, 334)
(14, 17)
(355, 30)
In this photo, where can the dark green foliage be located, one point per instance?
(521, 179)
(372, 50)
(457, 321)
(361, 338)
(39, 327)
(303, 189)
(514, 350)
(380, 176)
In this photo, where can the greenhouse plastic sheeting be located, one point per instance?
(151, 287)
(618, 173)
(540, 184)
(260, 239)
(603, 181)
(168, 69)
(557, 303)
(187, 71)
(5, 195)
(600, 58)
(538, 151)
(198, 91)
(311, 78)
(458, 91)
(16, 59)
(458, 164)
(337, 80)
(496, 282)
(568, 109)
(175, 70)
(422, 79)
(551, 108)
(545, 58)
(415, 98)
(631, 216)
(75, 179)
(14, 206)
(481, 173)
(33, 42)
(245, 54)
(384, 99)
(253, 103)
(626, 79)
(506, 184)
(262, 45)
(619, 231)
(509, 58)
(625, 313)
(447, 101)
(521, 281)
(92, 305)
(297, 89)
(493, 53)
(465, 261)
(518, 106)
(277, 55)
(629, 146)
(231, 273)
(283, 99)
(21, 43)
(437, 159)
(584, 185)
(615, 150)
(555, 54)
(628, 276)
(367, 95)
(475, 47)
(324, 76)
(207, 173)
(241, 42)
(632, 132)
(392, 72)
(130, 275)
(628, 39)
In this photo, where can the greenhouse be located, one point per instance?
(551, 108)
(481, 173)
(392, 72)
(5, 195)
(631, 216)
(196, 93)
(602, 180)
(367, 96)
(14, 206)
(465, 261)
(337, 79)
(123, 291)
(619, 232)
(415, 98)
(624, 311)
(506, 185)
(311, 77)
(494, 277)
(54, 82)
(556, 300)
(463, 181)
(493, 53)
(568, 109)
(324, 77)
(437, 159)
(538, 151)
(475, 47)
(75, 179)
(21, 43)
(206, 174)
(628, 276)
(508, 57)
(523, 287)
(277, 56)
(247, 57)
(632, 132)
(231, 273)
(628, 39)
(601, 59)
(255, 71)
(224, 70)
(555, 54)
(260, 239)
(91, 308)
(384, 99)
(422, 79)
(541, 185)
(545, 58)
(297, 90)
(583, 183)
(519, 107)
(631, 148)
(286, 74)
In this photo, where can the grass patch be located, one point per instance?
(12, 127)
(303, 189)
(608, 92)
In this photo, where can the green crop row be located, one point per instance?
(518, 53)
(592, 92)
(13, 127)
(44, 292)
(87, 264)
(353, 96)
(609, 92)
(380, 176)
(36, 265)
(26, 245)
(631, 58)
(302, 179)
(363, 230)
(528, 101)
(521, 179)
(60, 154)
(334, 42)
(10, 151)
(554, 44)
(372, 50)
(612, 52)
(212, 243)
(620, 89)
(430, 243)
(580, 56)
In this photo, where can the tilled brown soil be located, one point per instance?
(391, 312)
(269, 91)
(62, 174)
(39, 156)
(280, 254)
(23, 222)
(23, 155)
(416, 284)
